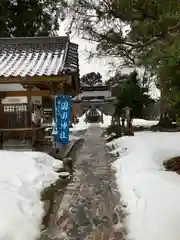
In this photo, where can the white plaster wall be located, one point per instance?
(14, 100)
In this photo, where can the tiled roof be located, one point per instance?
(105, 94)
(95, 88)
(39, 56)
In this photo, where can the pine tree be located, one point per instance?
(91, 79)
(138, 33)
(27, 18)
(134, 95)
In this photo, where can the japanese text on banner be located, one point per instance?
(63, 111)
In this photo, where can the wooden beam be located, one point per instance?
(38, 93)
(34, 80)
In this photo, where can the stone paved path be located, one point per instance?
(89, 209)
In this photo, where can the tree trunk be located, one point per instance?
(164, 97)
(165, 120)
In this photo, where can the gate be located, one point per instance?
(93, 116)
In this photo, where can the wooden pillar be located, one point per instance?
(53, 90)
(76, 78)
(2, 119)
(29, 107)
(72, 115)
(75, 90)
(28, 122)
(53, 102)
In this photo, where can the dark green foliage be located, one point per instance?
(152, 23)
(152, 39)
(116, 82)
(174, 104)
(91, 79)
(134, 95)
(118, 78)
(27, 18)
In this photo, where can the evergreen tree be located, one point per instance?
(116, 82)
(117, 79)
(134, 95)
(91, 79)
(27, 18)
(140, 33)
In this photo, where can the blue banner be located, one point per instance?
(63, 114)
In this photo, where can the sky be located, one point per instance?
(101, 65)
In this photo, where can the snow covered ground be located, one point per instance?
(23, 176)
(144, 123)
(151, 194)
(82, 125)
(106, 120)
(136, 122)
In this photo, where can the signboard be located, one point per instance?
(63, 113)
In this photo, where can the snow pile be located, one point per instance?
(136, 122)
(144, 123)
(23, 176)
(106, 120)
(151, 194)
(81, 125)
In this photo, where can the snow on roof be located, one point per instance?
(38, 56)
(106, 93)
